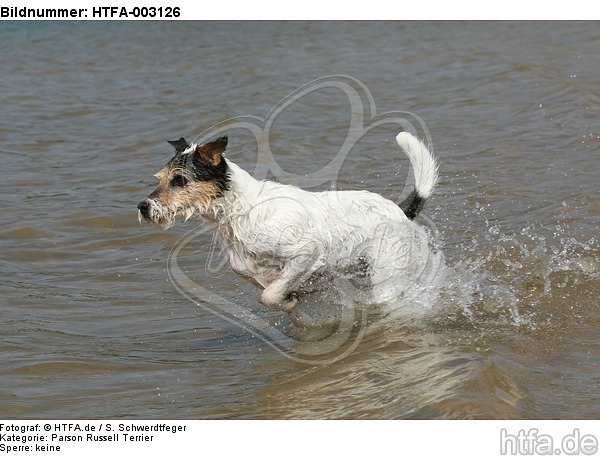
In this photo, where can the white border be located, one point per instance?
(344, 438)
(329, 10)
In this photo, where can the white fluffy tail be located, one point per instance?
(425, 170)
(422, 161)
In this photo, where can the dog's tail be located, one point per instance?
(425, 169)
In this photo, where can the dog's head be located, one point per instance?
(188, 184)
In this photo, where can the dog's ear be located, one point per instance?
(211, 153)
(180, 145)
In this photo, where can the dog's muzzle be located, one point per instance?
(156, 213)
(144, 208)
(150, 211)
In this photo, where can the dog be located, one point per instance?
(280, 236)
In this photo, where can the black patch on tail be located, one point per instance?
(412, 205)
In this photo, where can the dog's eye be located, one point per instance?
(179, 181)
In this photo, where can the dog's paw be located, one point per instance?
(277, 302)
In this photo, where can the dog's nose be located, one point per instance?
(144, 206)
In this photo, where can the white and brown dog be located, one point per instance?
(280, 236)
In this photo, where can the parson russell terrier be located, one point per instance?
(278, 235)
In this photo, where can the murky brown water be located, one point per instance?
(91, 325)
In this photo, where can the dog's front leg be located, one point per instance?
(281, 293)
(276, 296)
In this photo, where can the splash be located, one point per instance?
(526, 279)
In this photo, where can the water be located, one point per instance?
(91, 324)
